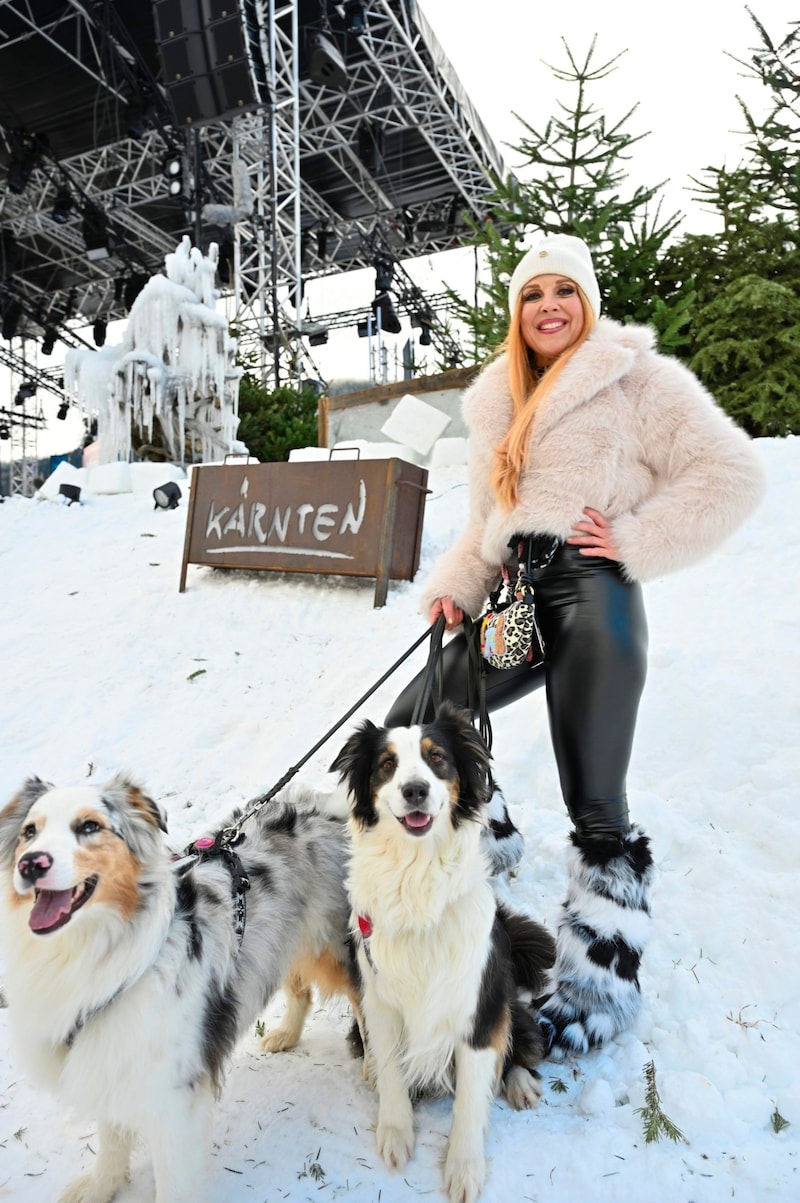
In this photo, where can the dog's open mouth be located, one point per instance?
(417, 822)
(53, 908)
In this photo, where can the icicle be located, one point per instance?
(175, 363)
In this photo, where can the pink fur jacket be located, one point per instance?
(625, 430)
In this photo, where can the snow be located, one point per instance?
(209, 697)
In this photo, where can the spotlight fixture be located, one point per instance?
(5, 431)
(384, 274)
(173, 170)
(355, 18)
(63, 410)
(133, 287)
(384, 310)
(323, 242)
(49, 340)
(325, 63)
(370, 145)
(99, 331)
(166, 496)
(318, 338)
(25, 391)
(366, 327)
(95, 233)
(141, 113)
(25, 156)
(62, 205)
(12, 313)
(425, 335)
(71, 492)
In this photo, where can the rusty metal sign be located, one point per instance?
(350, 517)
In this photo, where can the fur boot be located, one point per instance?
(594, 983)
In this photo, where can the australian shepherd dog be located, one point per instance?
(444, 966)
(130, 976)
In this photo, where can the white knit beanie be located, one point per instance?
(557, 255)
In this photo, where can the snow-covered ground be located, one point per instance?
(210, 696)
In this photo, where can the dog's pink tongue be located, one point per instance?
(417, 819)
(48, 908)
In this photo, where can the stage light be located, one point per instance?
(166, 496)
(5, 431)
(425, 335)
(63, 410)
(99, 331)
(12, 313)
(384, 310)
(25, 391)
(366, 327)
(355, 18)
(325, 62)
(133, 287)
(62, 205)
(95, 233)
(71, 492)
(370, 145)
(25, 154)
(318, 338)
(323, 242)
(173, 170)
(384, 274)
(49, 340)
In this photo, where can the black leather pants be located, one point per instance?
(595, 632)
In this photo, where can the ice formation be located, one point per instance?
(175, 363)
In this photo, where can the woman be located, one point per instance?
(616, 459)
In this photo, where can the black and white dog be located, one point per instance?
(442, 963)
(128, 982)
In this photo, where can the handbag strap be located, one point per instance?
(476, 680)
(433, 673)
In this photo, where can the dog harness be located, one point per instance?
(208, 846)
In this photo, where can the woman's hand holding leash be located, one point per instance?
(453, 615)
(597, 539)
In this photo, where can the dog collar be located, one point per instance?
(365, 929)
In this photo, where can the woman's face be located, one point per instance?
(552, 316)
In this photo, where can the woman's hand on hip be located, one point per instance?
(453, 615)
(595, 537)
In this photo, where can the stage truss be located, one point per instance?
(317, 180)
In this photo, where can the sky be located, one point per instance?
(210, 696)
(676, 66)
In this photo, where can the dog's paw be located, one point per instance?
(90, 1189)
(395, 1144)
(464, 1177)
(279, 1040)
(522, 1088)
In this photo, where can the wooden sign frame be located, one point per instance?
(351, 517)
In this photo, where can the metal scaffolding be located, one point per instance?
(363, 147)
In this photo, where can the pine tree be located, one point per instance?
(748, 353)
(577, 170)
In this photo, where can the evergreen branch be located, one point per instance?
(654, 1121)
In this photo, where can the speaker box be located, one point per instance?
(210, 54)
(325, 62)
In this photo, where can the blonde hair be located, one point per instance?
(528, 394)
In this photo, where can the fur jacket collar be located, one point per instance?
(626, 430)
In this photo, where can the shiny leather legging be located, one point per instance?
(595, 632)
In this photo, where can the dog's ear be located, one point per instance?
(354, 765)
(12, 815)
(472, 756)
(140, 820)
